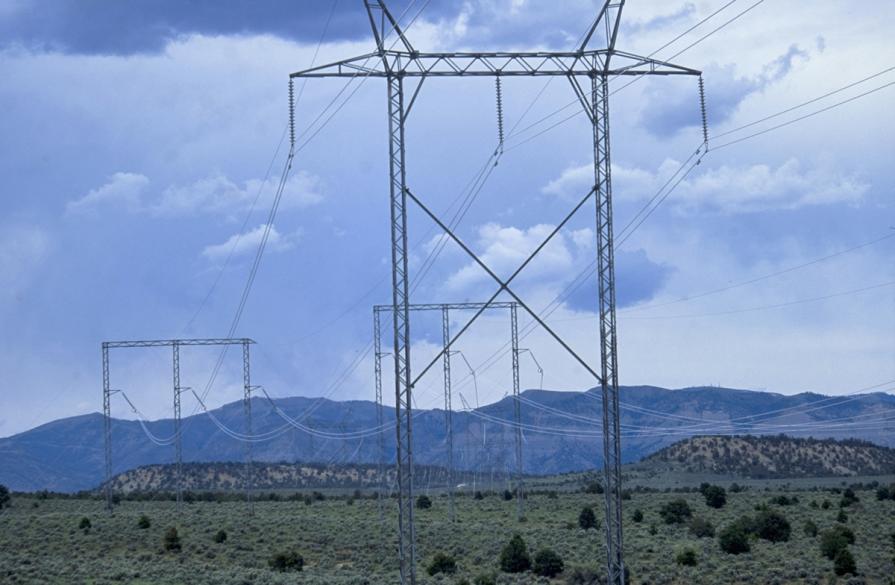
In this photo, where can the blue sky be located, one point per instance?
(135, 137)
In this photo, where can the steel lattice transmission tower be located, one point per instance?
(177, 439)
(446, 353)
(595, 59)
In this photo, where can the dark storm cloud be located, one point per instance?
(637, 279)
(124, 27)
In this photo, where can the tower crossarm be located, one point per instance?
(531, 64)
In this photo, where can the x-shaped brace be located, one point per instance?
(504, 285)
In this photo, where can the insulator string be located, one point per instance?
(705, 123)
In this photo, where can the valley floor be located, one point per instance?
(344, 543)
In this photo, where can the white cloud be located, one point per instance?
(22, 250)
(122, 189)
(241, 244)
(221, 195)
(216, 195)
(727, 188)
(506, 247)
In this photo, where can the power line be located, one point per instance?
(757, 278)
(809, 115)
(772, 306)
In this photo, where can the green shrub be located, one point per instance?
(844, 562)
(507, 495)
(84, 524)
(143, 523)
(783, 500)
(284, 561)
(4, 496)
(772, 526)
(423, 502)
(848, 498)
(882, 493)
(442, 563)
(548, 563)
(825, 505)
(842, 517)
(701, 528)
(220, 536)
(171, 540)
(479, 495)
(485, 579)
(583, 576)
(514, 557)
(734, 539)
(637, 516)
(810, 528)
(835, 539)
(686, 557)
(587, 519)
(676, 512)
(594, 487)
(715, 495)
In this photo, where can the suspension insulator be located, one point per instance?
(291, 113)
(705, 123)
(499, 116)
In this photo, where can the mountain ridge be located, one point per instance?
(67, 454)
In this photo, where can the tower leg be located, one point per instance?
(401, 324)
(178, 444)
(107, 427)
(377, 377)
(517, 414)
(247, 412)
(448, 408)
(608, 343)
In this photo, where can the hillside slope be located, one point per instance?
(773, 457)
(67, 454)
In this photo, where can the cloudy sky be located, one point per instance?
(140, 144)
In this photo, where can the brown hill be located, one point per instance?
(773, 457)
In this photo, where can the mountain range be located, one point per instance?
(561, 432)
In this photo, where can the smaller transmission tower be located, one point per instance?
(175, 345)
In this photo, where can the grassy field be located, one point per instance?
(343, 542)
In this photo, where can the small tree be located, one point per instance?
(423, 502)
(772, 526)
(548, 563)
(734, 539)
(4, 496)
(835, 539)
(810, 528)
(676, 511)
(687, 557)
(220, 536)
(442, 563)
(587, 519)
(507, 495)
(842, 517)
(715, 496)
(171, 540)
(84, 524)
(284, 561)
(514, 557)
(637, 516)
(143, 523)
(844, 562)
(701, 528)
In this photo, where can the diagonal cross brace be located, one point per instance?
(504, 285)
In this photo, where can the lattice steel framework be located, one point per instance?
(446, 353)
(175, 345)
(597, 64)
